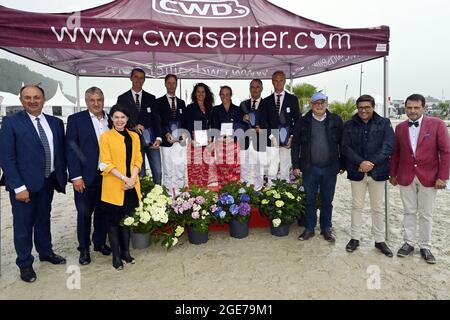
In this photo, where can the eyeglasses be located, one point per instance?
(364, 108)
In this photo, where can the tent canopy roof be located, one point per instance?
(59, 99)
(204, 39)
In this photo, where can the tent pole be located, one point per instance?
(181, 97)
(78, 92)
(291, 81)
(386, 114)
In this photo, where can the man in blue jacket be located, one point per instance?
(33, 161)
(83, 132)
(367, 144)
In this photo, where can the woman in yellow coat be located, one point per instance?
(120, 162)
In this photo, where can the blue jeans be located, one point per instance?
(319, 180)
(154, 158)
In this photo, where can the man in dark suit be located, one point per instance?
(281, 112)
(316, 155)
(145, 115)
(33, 161)
(173, 153)
(253, 148)
(83, 132)
(420, 165)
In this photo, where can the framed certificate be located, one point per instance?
(201, 137)
(226, 129)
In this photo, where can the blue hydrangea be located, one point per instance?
(234, 209)
(245, 198)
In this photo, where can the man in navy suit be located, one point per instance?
(83, 132)
(253, 148)
(33, 161)
(281, 112)
(173, 153)
(145, 115)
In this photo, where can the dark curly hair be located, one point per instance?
(209, 96)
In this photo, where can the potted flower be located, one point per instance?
(282, 203)
(193, 208)
(152, 218)
(234, 206)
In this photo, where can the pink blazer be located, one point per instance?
(432, 158)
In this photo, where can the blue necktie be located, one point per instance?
(48, 155)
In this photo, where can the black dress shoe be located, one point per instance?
(327, 235)
(405, 250)
(428, 256)
(53, 258)
(382, 246)
(85, 257)
(103, 249)
(306, 235)
(27, 274)
(352, 245)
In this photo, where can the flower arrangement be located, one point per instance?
(234, 202)
(282, 203)
(193, 208)
(153, 215)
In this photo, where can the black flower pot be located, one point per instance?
(197, 237)
(238, 229)
(281, 231)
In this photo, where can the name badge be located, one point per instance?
(149, 110)
(181, 111)
(288, 110)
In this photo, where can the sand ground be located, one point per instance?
(258, 267)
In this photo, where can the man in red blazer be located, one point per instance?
(420, 165)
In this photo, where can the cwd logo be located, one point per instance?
(207, 9)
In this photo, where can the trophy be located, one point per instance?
(149, 137)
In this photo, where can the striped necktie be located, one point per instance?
(48, 155)
(278, 105)
(138, 105)
(254, 105)
(173, 108)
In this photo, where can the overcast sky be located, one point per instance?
(418, 61)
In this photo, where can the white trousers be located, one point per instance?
(278, 159)
(418, 205)
(376, 196)
(174, 167)
(252, 167)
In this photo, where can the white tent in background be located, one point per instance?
(59, 105)
(10, 103)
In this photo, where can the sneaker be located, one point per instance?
(427, 256)
(405, 250)
(352, 245)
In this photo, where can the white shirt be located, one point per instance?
(321, 118)
(49, 134)
(258, 101)
(100, 125)
(281, 99)
(169, 98)
(414, 134)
